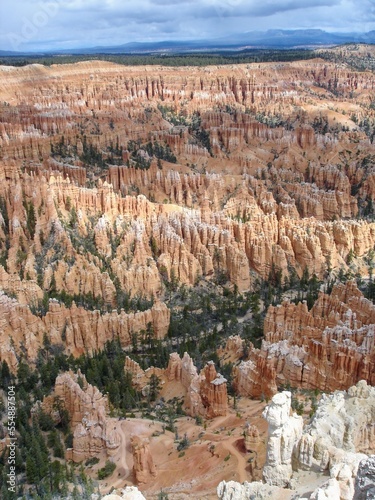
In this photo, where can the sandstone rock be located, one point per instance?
(349, 419)
(252, 438)
(129, 493)
(84, 331)
(232, 490)
(233, 349)
(274, 196)
(343, 474)
(330, 490)
(206, 393)
(26, 291)
(93, 431)
(284, 433)
(255, 377)
(337, 436)
(174, 368)
(305, 452)
(213, 392)
(329, 347)
(365, 480)
(188, 371)
(139, 379)
(143, 468)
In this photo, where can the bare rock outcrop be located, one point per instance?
(139, 378)
(284, 433)
(338, 438)
(233, 349)
(364, 488)
(128, 493)
(213, 392)
(143, 469)
(343, 421)
(231, 490)
(329, 347)
(174, 368)
(93, 430)
(252, 438)
(330, 490)
(206, 393)
(255, 377)
(77, 329)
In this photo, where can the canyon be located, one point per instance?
(210, 230)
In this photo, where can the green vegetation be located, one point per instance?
(30, 217)
(202, 59)
(162, 495)
(107, 470)
(160, 151)
(142, 154)
(198, 134)
(272, 120)
(302, 399)
(91, 155)
(105, 370)
(351, 55)
(40, 442)
(155, 387)
(4, 214)
(92, 461)
(184, 443)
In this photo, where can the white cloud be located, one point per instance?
(52, 24)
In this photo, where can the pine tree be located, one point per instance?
(155, 386)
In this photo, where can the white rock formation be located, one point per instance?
(235, 491)
(342, 427)
(284, 434)
(129, 493)
(344, 421)
(339, 438)
(330, 490)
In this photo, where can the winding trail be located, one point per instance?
(122, 466)
(243, 474)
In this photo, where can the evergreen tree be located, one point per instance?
(155, 386)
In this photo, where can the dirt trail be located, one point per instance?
(243, 474)
(123, 467)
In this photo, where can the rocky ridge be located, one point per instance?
(327, 348)
(339, 438)
(119, 184)
(263, 182)
(93, 431)
(76, 329)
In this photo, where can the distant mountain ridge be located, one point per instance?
(273, 38)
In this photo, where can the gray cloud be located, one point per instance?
(52, 24)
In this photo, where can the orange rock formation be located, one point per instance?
(327, 348)
(143, 468)
(93, 431)
(206, 393)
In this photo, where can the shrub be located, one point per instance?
(92, 461)
(107, 470)
(183, 444)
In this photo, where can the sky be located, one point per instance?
(32, 25)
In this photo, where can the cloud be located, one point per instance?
(53, 24)
(266, 8)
